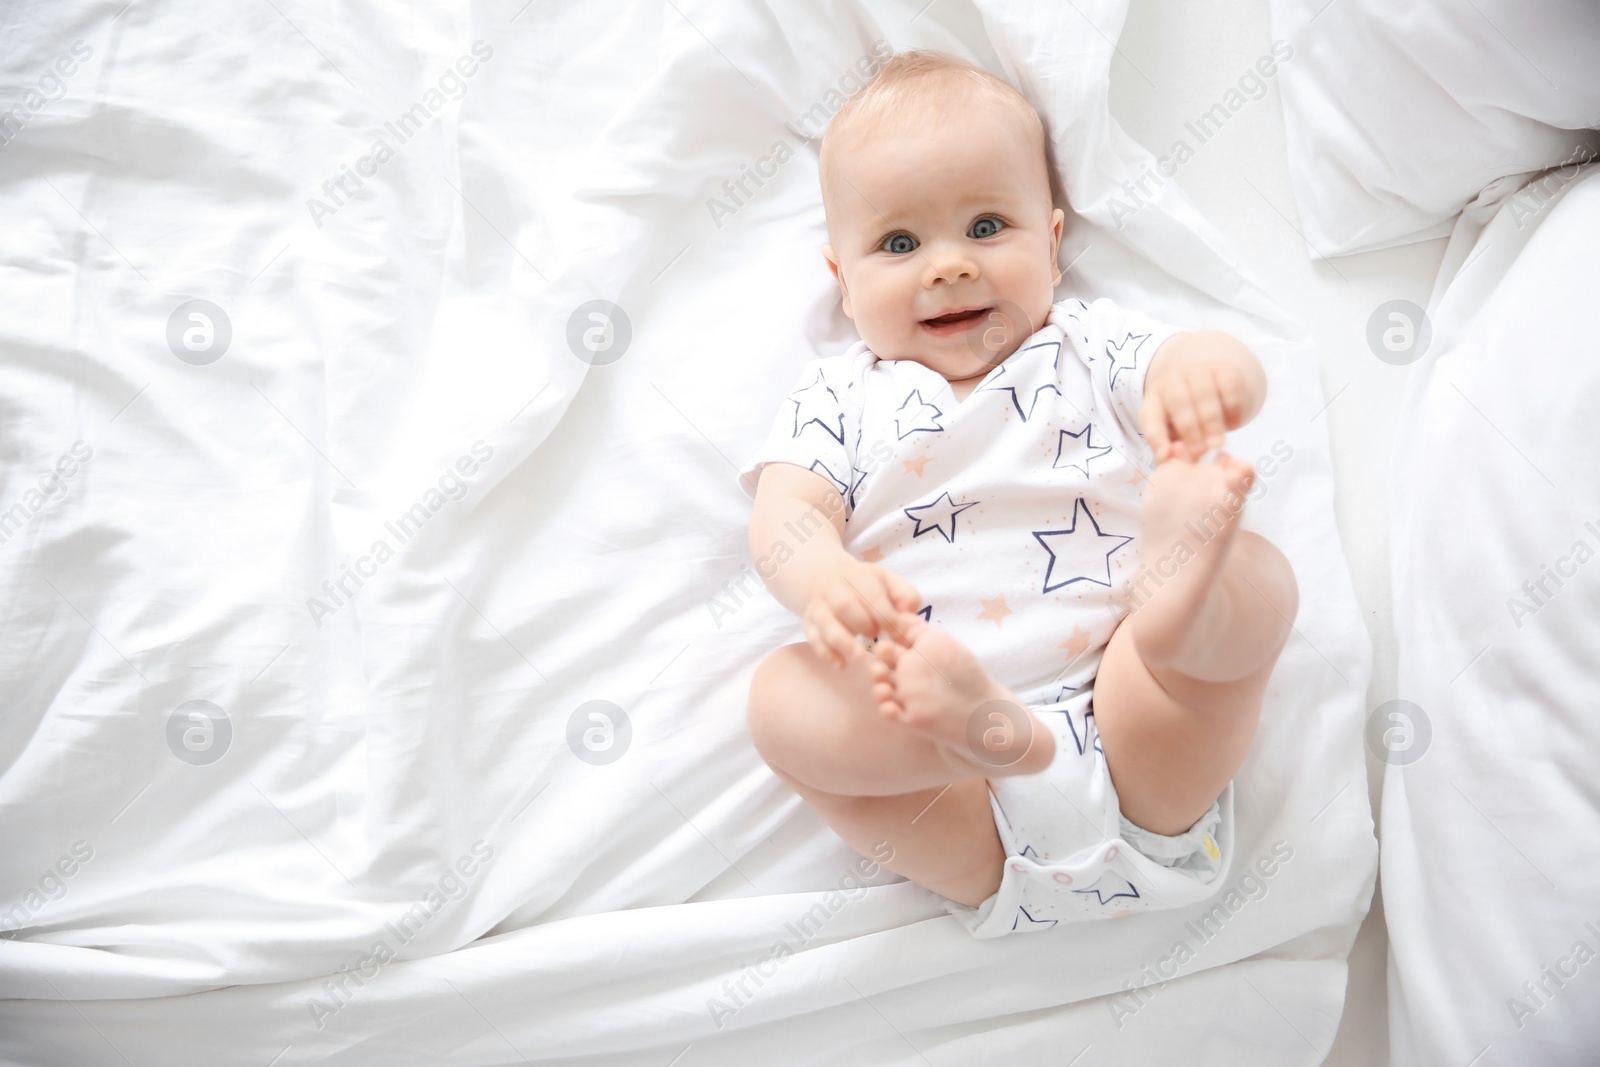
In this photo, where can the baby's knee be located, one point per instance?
(777, 672)
(766, 710)
(1270, 571)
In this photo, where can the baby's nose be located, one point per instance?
(948, 264)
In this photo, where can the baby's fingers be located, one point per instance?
(849, 606)
(827, 638)
(903, 596)
(1231, 388)
(1208, 407)
(1153, 421)
(815, 641)
(877, 599)
(1185, 418)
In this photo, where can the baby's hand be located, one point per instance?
(1200, 385)
(854, 598)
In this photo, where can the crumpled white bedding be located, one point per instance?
(310, 599)
(1491, 803)
(1397, 116)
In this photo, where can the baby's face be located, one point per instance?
(953, 217)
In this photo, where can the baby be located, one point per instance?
(1031, 666)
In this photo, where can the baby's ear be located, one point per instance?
(833, 265)
(1057, 220)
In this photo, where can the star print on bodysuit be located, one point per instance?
(822, 469)
(859, 476)
(1089, 738)
(817, 404)
(916, 415)
(1109, 887)
(1086, 738)
(1122, 357)
(1009, 379)
(1025, 920)
(943, 511)
(1082, 540)
(1082, 450)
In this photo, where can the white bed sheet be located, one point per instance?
(1489, 818)
(369, 755)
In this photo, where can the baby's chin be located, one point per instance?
(956, 364)
(968, 352)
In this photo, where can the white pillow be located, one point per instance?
(1397, 115)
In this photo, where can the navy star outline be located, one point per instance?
(1131, 892)
(926, 612)
(924, 407)
(1032, 922)
(822, 469)
(1088, 739)
(954, 510)
(809, 398)
(1080, 510)
(857, 478)
(1029, 853)
(990, 386)
(1115, 352)
(1085, 439)
(1065, 689)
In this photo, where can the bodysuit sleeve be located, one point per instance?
(816, 427)
(1117, 343)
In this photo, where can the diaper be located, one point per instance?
(1071, 855)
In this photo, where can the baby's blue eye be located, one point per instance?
(899, 243)
(985, 228)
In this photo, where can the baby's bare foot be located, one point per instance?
(928, 681)
(1191, 513)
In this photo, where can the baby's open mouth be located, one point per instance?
(956, 319)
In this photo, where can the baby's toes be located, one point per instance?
(1239, 473)
(889, 705)
(911, 693)
(886, 654)
(1208, 483)
(918, 714)
(901, 625)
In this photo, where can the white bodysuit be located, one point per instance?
(1016, 515)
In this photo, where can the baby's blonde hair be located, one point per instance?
(910, 84)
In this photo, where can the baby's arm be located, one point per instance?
(836, 595)
(1200, 384)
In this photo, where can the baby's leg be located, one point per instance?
(875, 781)
(1177, 696)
